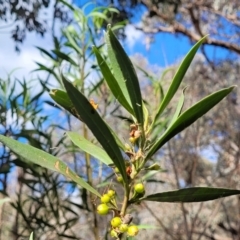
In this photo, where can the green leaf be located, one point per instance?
(177, 79)
(190, 116)
(31, 236)
(130, 238)
(179, 108)
(146, 226)
(197, 194)
(47, 53)
(96, 124)
(146, 116)
(65, 57)
(72, 42)
(45, 160)
(62, 99)
(89, 147)
(98, 15)
(149, 175)
(49, 70)
(70, 6)
(153, 167)
(125, 74)
(111, 81)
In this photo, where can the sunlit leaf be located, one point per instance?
(47, 53)
(72, 42)
(70, 6)
(31, 236)
(46, 160)
(89, 147)
(112, 82)
(146, 226)
(179, 108)
(189, 116)
(177, 79)
(125, 74)
(98, 15)
(63, 100)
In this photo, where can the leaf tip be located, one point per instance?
(109, 27)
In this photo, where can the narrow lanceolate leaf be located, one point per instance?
(146, 226)
(65, 57)
(49, 70)
(63, 100)
(197, 194)
(47, 53)
(146, 116)
(189, 116)
(177, 79)
(46, 160)
(72, 42)
(31, 236)
(179, 108)
(96, 124)
(112, 82)
(89, 147)
(125, 74)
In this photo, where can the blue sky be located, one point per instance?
(164, 51)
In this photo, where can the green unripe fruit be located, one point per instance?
(105, 198)
(113, 233)
(120, 179)
(123, 228)
(132, 231)
(116, 170)
(111, 193)
(116, 222)
(132, 140)
(102, 209)
(139, 188)
(127, 147)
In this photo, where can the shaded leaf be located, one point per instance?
(96, 124)
(49, 70)
(46, 53)
(65, 57)
(197, 194)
